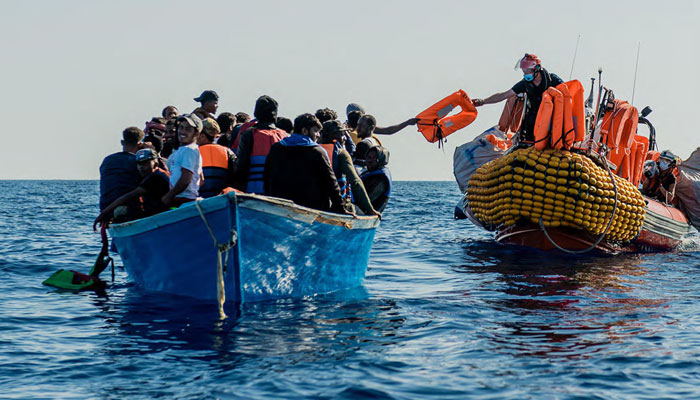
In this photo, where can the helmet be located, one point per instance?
(667, 154)
(528, 61)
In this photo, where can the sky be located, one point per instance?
(74, 74)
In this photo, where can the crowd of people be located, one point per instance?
(316, 161)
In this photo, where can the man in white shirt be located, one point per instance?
(185, 164)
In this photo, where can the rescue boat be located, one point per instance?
(246, 248)
(576, 188)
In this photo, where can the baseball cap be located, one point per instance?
(145, 155)
(333, 126)
(206, 96)
(192, 120)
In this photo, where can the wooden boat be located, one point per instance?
(270, 248)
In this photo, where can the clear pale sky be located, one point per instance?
(74, 74)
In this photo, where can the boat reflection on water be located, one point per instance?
(560, 305)
(297, 330)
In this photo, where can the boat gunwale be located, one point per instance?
(270, 205)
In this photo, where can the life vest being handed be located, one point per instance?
(263, 139)
(543, 122)
(215, 169)
(435, 123)
(370, 179)
(578, 109)
(332, 151)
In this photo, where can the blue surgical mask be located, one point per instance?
(663, 165)
(529, 77)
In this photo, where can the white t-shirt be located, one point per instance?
(186, 157)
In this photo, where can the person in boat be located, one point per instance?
(285, 124)
(377, 177)
(388, 130)
(365, 131)
(154, 131)
(218, 162)
(535, 82)
(153, 186)
(169, 112)
(297, 169)
(326, 114)
(255, 144)
(332, 138)
(659, 178)
(118, 172)
(185, 164)
(170, 142)
(209, 103)
(226, 122)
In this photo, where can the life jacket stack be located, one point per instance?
(561, 117)
(436, 123)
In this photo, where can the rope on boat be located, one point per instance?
(221, 249)
(602, 235)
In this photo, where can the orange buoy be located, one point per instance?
(543, 122)
(435, 123)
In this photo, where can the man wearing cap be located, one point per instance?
(154, 185)
(255, 144)
(209, 103)
(388, 130)
(118, 172)
(297, 169)
(185, 164)
(332, 140)
(218, 162)
(535, 82)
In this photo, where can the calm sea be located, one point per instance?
(445, 313)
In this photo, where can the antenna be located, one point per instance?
(574, 60)
(634, 86)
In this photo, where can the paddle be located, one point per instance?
(73, 280)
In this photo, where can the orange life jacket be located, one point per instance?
(557, 118)
(512, 114)
(543, 121)
(263, 139)
(435, 123)
(578, 109)
(569, 132)
(640, 152)
(215, 169)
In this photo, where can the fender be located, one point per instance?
(435, 123)
(543, 122)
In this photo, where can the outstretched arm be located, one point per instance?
(494, 98)
(139, 191)
(390, 130)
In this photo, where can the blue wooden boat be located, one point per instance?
(270, 248)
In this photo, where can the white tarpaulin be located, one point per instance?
(472, 155)
(688, 187)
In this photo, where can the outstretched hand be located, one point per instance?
(99, 220)
(478, 102)
(411, 121)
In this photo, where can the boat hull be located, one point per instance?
(280, 249)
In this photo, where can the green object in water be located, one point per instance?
(72, 280)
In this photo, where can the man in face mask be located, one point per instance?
(667, 180)
(535, 82)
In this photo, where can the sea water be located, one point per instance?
(444, 313)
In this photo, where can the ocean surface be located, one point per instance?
(444, 313)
